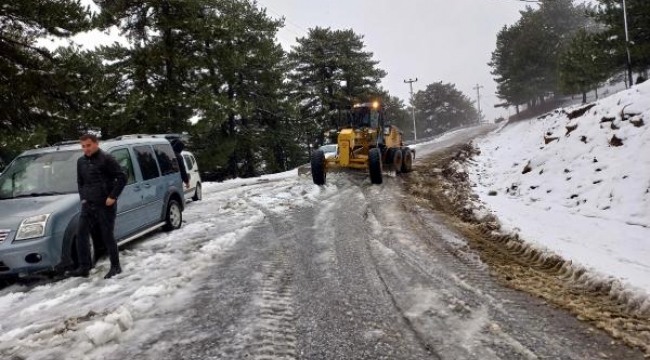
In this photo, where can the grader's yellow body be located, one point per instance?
(364, 143)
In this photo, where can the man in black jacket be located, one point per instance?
(101, 181)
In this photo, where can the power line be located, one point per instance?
(287, 21)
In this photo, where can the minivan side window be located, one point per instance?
(123, 158)
(167, 159)
(188, 161)
(147, 161)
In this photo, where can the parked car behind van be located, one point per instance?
(330, 150)
(39, 201)
(195, 192)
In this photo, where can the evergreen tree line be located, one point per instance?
(561, 47)
(211, 68)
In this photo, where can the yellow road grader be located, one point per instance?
(365, 144)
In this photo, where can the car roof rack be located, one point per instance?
(64, 143)
(133, 136)
(155, 136)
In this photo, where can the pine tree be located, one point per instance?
(330, 69)
(214, 62)
(442, 107)
(31, 96)
(156, 68)
(610, 13)
(526, 59)
(243, 69)
(508, 70)
(584, 65)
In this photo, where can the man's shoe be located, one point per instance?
(113, 271)
(79, 272)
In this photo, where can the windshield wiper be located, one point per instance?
(37, 194)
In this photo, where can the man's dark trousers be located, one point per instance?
(99, 220)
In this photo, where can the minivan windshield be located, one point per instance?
(43, 174)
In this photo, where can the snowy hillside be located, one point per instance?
(577, 181)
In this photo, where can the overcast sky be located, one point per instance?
(433, 40)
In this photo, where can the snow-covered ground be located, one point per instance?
(579, 187)
(273, 267)
(85, 318)
(607, 89)
(422, 149)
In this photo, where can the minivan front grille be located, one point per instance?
(4, 234)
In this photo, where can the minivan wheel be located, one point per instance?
(198, 193)
(174, 217)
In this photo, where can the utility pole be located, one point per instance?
(627, 46)
(478, 100)
(410, 82)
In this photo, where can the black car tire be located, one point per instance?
(174, 216)
(198, 193)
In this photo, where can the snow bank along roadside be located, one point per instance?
(90, 318)
(442, 183)
(576, 182)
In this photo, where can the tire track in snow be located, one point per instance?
(436, 297)
(274, 335)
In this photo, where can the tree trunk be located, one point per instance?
(232, 160)
(280, 157)
(596, 91)
(584, 97)
(173, 120)
(249, 169)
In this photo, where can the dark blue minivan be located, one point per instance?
(39, 203)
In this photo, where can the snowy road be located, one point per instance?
(277, 268)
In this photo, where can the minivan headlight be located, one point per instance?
(32, 227)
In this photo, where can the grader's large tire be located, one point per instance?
(375, 166)
(318, 171)
(407, 160)
(395, 158)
